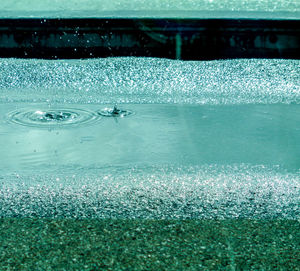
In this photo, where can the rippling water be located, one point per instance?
(186, 139)
(51, 117)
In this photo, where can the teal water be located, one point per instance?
(155, 134)
(215, 139)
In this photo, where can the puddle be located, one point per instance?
(223, 144)
(38, 136)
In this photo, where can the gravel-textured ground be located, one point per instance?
(66, 244)
(139, 80)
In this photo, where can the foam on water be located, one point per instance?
(149, 80)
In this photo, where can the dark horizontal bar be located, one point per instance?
(170, 38)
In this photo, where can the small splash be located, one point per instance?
(114, 112)
(52, 117)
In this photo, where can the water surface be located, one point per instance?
(209, 139)
(154, 134)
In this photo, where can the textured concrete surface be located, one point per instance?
(44, 244)
(156, 5)
(150, 80)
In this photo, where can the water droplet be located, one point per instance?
(114, 112)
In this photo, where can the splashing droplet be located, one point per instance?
(114, 112)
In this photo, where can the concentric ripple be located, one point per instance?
(52, 117)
